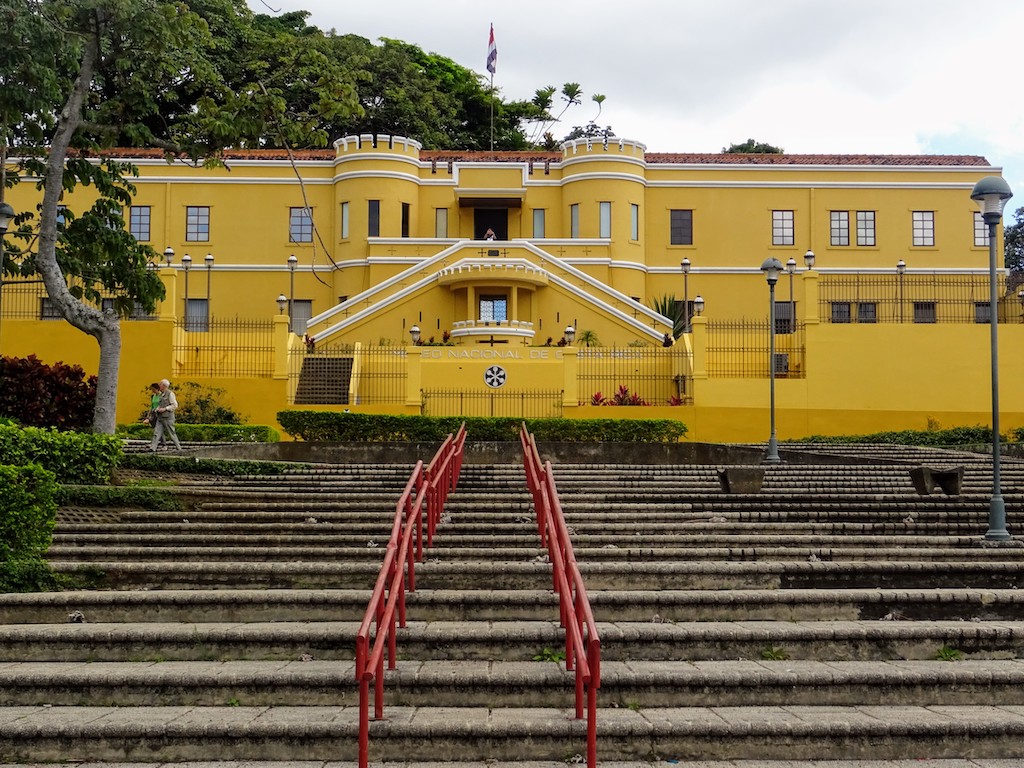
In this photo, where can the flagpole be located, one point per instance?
(492, 66)
(492, 112)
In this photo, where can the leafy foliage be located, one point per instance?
(198, 404)
(114, 496)
(28, 511)
(751, 146)
(672, 308)
(41, 395)
(1013, 242)
(976, 435)
(342, 427)
(74, 457)
(197, 466)
(622, 396)
(208, 433)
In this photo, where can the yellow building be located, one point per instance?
(305, 279)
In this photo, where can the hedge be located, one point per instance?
(28, 512)
(976, 435)
(207, 433)
(195, 465)
(332, 426)
(74, 457)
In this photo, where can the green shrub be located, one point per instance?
(363, 427)
(208, 433)
(197, 466)
(198, 404)
(1017, 435)
(41, 395)
(113, 496)
(28, 511)
(976, 435)
(74, 457)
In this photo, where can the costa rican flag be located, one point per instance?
(492, 54)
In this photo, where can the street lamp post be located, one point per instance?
(771, 268)
(685, 266)
(414, 334)
(168, 255)
(809, 259)
(569, 334)
(186, 264)
(209, 272)
(282, 301)
(6, 214)
(991, 194)
(698, 304)
(293, 262)
(901, 268)
(791, 268)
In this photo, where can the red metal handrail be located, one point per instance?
(582, 643)
(427, 488)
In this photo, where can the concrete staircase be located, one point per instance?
(808, 622)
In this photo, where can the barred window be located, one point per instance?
(924, 228)
(681, 227)
(138, 222)
(866, 228)
(782, 228)
(493, 308)
(840, 311)
(300, 225)
(867, 312)
(982, 312)
(924, 312)
(197, 223)
(840, 227)
(980, 231)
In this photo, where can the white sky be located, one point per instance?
(810, 76)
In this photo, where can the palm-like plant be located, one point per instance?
(672, 308)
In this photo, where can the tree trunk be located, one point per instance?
(104, 326)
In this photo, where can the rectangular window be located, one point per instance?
(980, 231)
(302, 310)
(606, 220)
(681, 227)
(300, 225)
(982, 312)
(867, 312)
(866, 228)
(924, 311)
(924, 228)
(406, 216)
(48, 310)
(373, 218)
(138, 222)
(197, 315)
(574, 220)
(538, 222)
(634, 221)
(440, 222)
(782, 228)
(784, 317)
(840, 311)
(493, 308)
(137, 312)
(344, 221)
(840, 227)
(197, 223)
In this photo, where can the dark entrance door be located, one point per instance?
(490, 218)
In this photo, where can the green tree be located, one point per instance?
(751, 146)
(81, 76)
(1013, 240)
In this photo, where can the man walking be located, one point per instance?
(164, 413)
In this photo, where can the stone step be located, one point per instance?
(637, 685)
(656, 639)
(40, 734)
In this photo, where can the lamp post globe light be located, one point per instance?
(282, 301)
(293, 262)
(809, 259)
(168, 255)
(698, 304)
(791, 268)
(414, 334)
(771, 267)
(901, 269)
(186, 264)
(991, 194)
(570, 334)
(685, 266)
(209, 271)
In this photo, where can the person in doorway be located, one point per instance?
(166, 405)
(489, 234)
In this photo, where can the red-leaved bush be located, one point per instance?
(39, 395)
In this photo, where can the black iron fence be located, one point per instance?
(915, 298)
(227, 348)
(525, 404)
(347, 374)
(741, 348)
(657, 375)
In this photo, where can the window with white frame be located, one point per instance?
(782, 228)
(634, 221)
(680, 224)
(344, 221)
(574, 220)
(606, 220)
(138, 222)
(839, 227)
(539, 222)
(866, 228)
(980, 231)
(924, 228)
(440, 222)
(373, 218)
(197, 223)
(406, 218)
(494, 308)
(300, 225)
